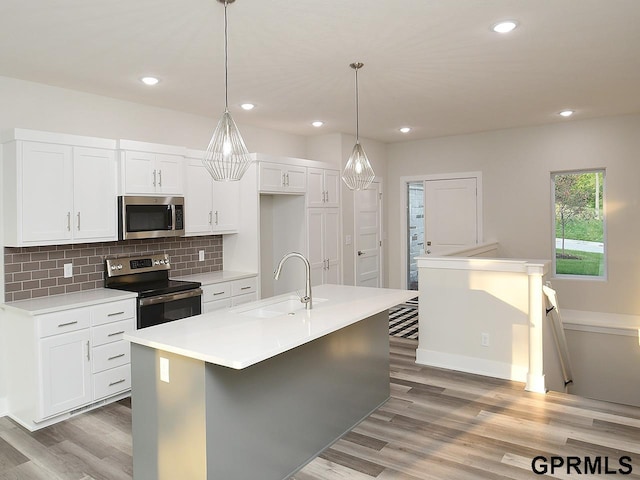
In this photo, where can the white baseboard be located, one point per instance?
(477, 366)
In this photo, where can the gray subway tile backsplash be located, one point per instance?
(32, 272)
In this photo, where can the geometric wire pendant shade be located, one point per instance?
(227, 157)
(358, 173)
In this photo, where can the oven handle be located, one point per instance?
(170, 297)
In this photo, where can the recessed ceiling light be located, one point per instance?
(317, 123)
(505, 27)
(566, 113)
(149, 81)
(247, 106)
(405, 129)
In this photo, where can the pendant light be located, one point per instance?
(227, 157)
(358, 173)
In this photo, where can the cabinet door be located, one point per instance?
(169, 174)
(47, 192)
(332, 188)
(271, 177)
(315, 247)
(315, 187)
(65, 372)
(331, 240)
(140, 173)
(198, 197)
(226, 206)
(94, 194)
(296, 179)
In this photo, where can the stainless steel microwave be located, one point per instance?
(150, 217)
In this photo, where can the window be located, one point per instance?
(579, 217)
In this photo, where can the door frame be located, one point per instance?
(404, 181)
(380, 234)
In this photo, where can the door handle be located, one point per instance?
(360, 253)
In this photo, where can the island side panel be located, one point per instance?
(268, 420)
(168, 419)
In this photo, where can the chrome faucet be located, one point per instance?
(307, 269)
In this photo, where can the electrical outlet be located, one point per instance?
(68, 270)
(484, 339)
(164, 369)
(201, 255)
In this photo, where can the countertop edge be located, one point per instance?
(68, 301)
(395, 297)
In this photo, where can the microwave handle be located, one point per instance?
(172, 216)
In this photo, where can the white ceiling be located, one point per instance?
(434, 65)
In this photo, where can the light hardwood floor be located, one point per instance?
(438, 424)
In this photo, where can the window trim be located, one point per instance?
(565, 276)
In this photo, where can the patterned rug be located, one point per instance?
(403, 320)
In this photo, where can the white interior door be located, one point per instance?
(368, 231)
(451, 217)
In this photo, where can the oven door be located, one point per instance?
(167, 308)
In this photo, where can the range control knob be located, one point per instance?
(119, 266)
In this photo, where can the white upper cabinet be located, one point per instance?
(56, 193)
(94, 193)
(323, 187)
(280, 178)
(151, 169)
(210, 207)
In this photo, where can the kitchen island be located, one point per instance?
(259, 390)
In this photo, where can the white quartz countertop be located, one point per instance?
(216, 277)
(237, 338)
(56, 303)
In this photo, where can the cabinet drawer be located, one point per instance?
(242, 299)
(111, 381)
(111, 332)
(110, 355)
(113, 311)
(63, 322)
(216, 305)
(241, 287)
(217, 291)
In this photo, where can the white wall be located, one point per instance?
(516, 166)
(42, 107)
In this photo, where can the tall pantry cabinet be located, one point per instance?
(323, 225)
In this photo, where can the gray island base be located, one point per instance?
(265, 421)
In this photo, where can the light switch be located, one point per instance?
(164, 369)
(68, 270)
(201, 255)
(347, 240)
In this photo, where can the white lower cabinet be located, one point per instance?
(67, 360)
(217, 296)
(65, 372)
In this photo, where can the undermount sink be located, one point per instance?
(289, 306)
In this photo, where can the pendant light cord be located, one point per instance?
(226, 66)
(357, 110)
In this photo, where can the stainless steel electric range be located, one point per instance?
(160, 299)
